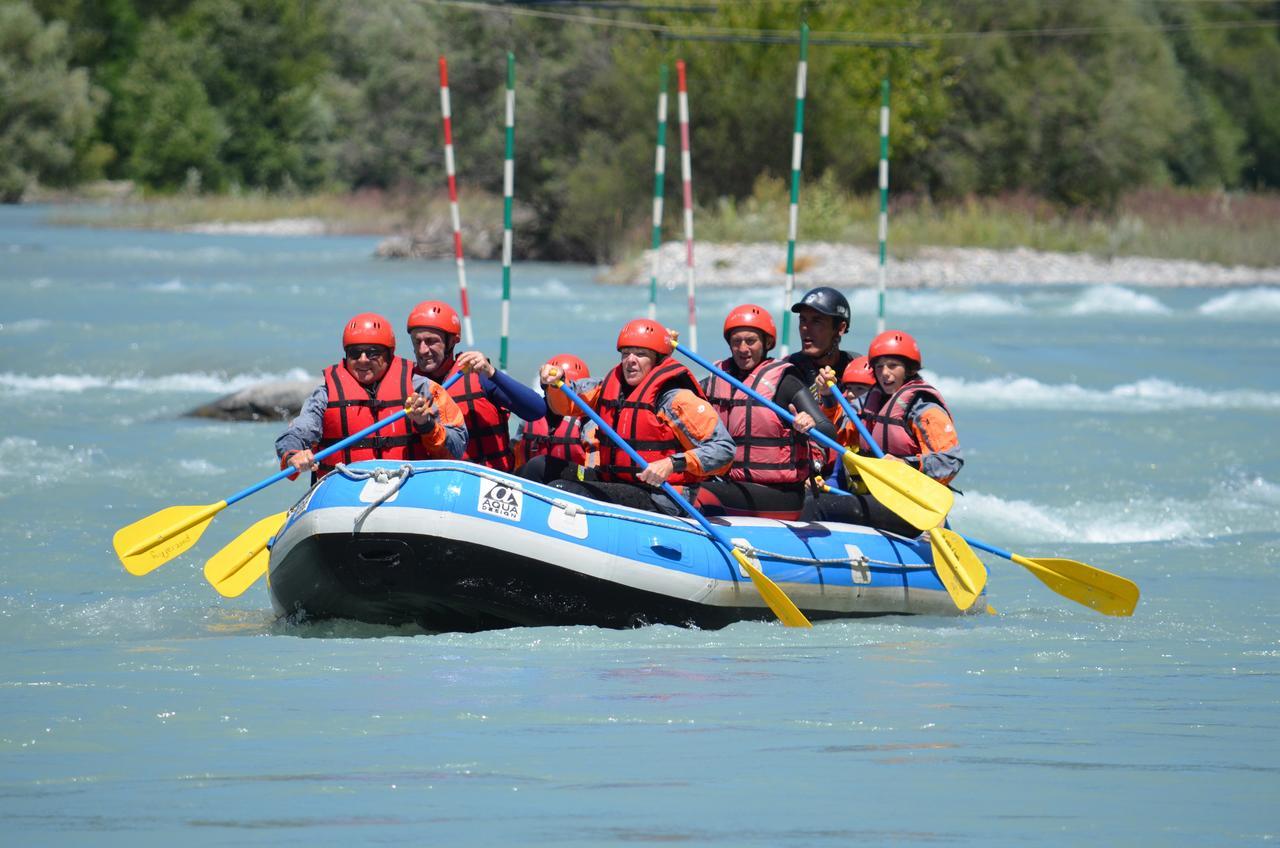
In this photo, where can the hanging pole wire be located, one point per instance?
(686, 173)
(508, 192)
(659, 189)
(450, 172)
(793, 209)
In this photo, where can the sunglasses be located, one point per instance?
(372, 352)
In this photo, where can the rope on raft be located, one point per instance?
(402, 474)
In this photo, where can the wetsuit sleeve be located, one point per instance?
(792, 391)
(304, 432)
(708, 446)
(939, 445)
(558, 402)
(507, 392)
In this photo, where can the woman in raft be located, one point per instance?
(909, 421)
(656, 404)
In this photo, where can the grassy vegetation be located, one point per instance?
(1231, 229)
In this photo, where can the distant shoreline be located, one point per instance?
(841, 265)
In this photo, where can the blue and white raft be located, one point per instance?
(453, 546)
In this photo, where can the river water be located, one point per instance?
(1132, 429)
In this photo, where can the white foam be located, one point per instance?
(1095, 522)
(204, 383)
(1115, 300)
(197, 254)
(25, 325)
(552, 287)
(1249, 302)
(1150, 394)
(199, 467)
(866, 302)
(169, 286)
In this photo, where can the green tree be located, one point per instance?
(167, 129)
(47, 109)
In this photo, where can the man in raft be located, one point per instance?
(771, 464)
(824, 319)
(486, 396)
(570, 438)
(656, 404)
(910, 422)
(369, 384)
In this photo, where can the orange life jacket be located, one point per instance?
(565, 442)
(488, 434)
(889, 418)
(351, 409)
(769, 451)
(634, 415)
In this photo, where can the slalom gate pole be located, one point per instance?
(884, 194)
(450, 172)
(686, 172)
(659, 189)
(797, 146)
(508, 191)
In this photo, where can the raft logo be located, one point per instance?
(501, 500)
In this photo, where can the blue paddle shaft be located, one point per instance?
(786, 416)
(639, 460)
(332, 449)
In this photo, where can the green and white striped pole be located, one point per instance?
(659, 188)
(508, 190)
(797, 146)
(884, 192)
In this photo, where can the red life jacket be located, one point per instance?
(889, 419)
(351, 409)
(634, 416)
(565, 443)
(769, 451)
(488, 436)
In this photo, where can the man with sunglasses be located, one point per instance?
(369, 384)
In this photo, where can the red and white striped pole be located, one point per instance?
(686, 173)
(453, 201)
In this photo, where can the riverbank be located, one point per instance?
(843, 265)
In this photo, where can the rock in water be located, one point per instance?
(278, 400)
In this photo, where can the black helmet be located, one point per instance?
(826, 300)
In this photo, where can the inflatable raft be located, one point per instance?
(456, 546)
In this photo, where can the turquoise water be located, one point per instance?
(1133, 429)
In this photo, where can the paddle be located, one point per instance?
(1109, 594)
(238, 566)
(150, 542)
(921, 501)
(786, 611)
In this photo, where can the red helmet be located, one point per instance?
(435, 315)
(571, 367)
(894, 343)
(647, 334)
(752, 317)
(369, 328)
(859, 372)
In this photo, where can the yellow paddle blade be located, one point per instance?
(917, 498)
(150, 542)
(1109, 594)
(238, 566)
(786, 611)
(958, 567)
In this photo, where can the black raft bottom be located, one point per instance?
(448, 585)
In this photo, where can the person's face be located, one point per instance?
(637, 362)
(747, 348)
(818, 334)
(367, 363)
(431, 348)
(853, 391)
(890, 371)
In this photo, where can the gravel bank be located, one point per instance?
(934, 267)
